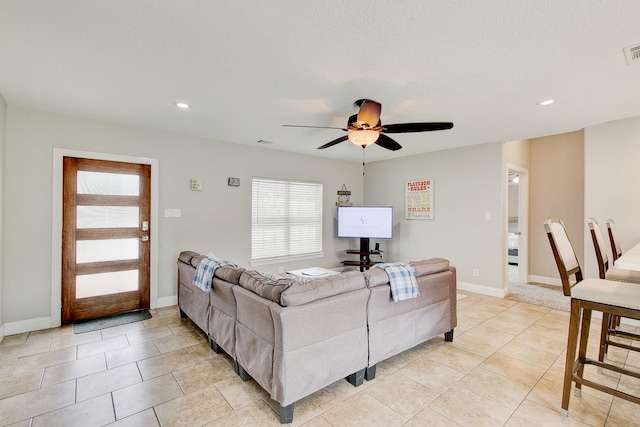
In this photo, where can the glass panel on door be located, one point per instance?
(108, 183)
(106, 250)
(93, 285)
(108, 216)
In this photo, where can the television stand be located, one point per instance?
(364, 254)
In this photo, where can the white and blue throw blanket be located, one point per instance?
(402, 279)
(205, 269)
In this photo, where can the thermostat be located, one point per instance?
(196, 185)
(233, 182)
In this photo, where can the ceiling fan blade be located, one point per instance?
(314, 127)
(416, 127)
(388, 143)
(334, 142)
(369, 112)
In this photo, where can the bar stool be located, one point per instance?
(607, 296)
(612, 273)
(616, 247)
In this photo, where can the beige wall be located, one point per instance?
(3, 128)
(216, 219)
(556, 190)
(467, 185)
(612, 154)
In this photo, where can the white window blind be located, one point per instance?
(286, 218)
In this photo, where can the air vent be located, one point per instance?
(633, 54)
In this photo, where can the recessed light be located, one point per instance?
(546, 102)
(182, 105)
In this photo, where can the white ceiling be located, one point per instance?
(248, 67)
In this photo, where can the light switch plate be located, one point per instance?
(196, 185)
(172, 213)
(233, 182)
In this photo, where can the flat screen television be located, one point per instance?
(374, 222)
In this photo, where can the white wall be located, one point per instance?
(216, 219)
(3, 128)
(612, 152)
(467, 185)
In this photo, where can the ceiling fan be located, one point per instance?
(365, 127)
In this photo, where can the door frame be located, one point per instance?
(523, 222)
(56, 223)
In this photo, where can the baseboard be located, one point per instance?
(484, 290)
(545, 280)
(166, 301)
(29, 325)
(1, 332)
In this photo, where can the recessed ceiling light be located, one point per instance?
(546, 102)
(182, 105)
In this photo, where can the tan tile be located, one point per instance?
(535, 356)
(102, 346)
(50, 333)
(107, 381)
(6, 367)
(14, 339)
(493, 305)
(44, 360)
(145, 335)
(510, 322)
(37, 402)
(586, 408)
(316, 422)
(470, 409)
(122, 330)
(532, 414)
(255, 414)
(145, 418)
(490, 335)
(196, 376)
(403, 395)
(75, 339)
(623, 413)
(21, 350)
(515, 369)
(529, 309)
(534, 340)
(138, 397)
(197, 408)
(455, 358)
(24, 423)
(432, 374)
(131, 354)
(495, 387)
(94, 412)
(165, 363)
(174, 342)
(362, 410)
(476, 345)
(201, 352)
(20, 383)
(74, 369)
(240, 393)
(431, 418)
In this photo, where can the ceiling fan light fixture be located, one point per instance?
(363, 138)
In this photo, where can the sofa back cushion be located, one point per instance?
(263, 286)
(430, 266)
(229, 273)
(303, 293)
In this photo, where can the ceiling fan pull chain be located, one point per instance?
(363, 147)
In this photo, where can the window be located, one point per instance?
(286, 218)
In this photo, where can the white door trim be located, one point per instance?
(56, 223)
(523, 220)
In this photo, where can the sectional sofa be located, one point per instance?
(294, 336)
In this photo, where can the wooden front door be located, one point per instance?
(105, 238)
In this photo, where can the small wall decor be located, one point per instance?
(343, 196)
(419, 199)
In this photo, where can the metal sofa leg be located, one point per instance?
(183, 315)
(448, 336)
(370, 373)
(286, 414)
(215, 347)
(356, 378)
(244, 376)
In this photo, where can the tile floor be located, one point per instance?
(504, 368)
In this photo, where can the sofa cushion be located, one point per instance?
(263, 286)
(302, 293)
(430, 266)
(196, 260)
(228, 273)
(376, 277)
(185, 256)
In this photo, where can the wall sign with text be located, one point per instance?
(419, 199)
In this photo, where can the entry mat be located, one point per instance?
(110, 321)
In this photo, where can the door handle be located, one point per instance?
(145, 238)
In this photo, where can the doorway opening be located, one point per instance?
(517, 224)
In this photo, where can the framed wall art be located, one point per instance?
(419, 199)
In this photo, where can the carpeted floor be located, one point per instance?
(111, 321)
(536, 293)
